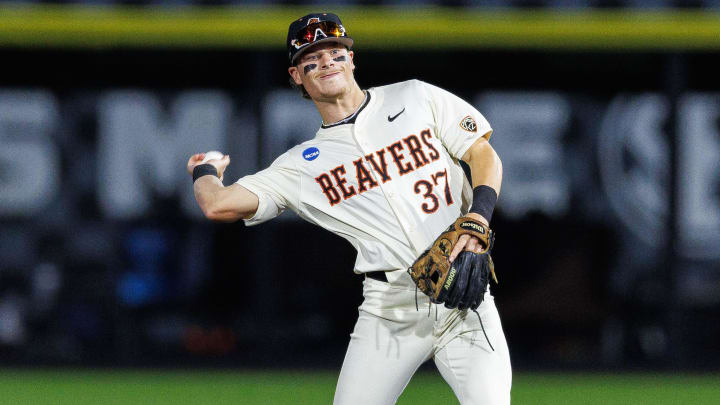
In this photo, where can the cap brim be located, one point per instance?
(347, 41)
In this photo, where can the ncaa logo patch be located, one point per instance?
(311, 153)
(468, 124)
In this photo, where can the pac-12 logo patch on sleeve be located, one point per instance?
(311, 153)
(468, 124)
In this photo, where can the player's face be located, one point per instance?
(326, 71)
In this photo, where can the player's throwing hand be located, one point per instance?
(220, 164)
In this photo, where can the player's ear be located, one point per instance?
(351, 55)
(295, 74)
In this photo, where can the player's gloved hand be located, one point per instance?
(462, 283)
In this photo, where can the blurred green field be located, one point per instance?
(65, 386)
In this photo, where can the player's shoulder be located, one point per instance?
(408, 91)
(431, 92)
(306, 151)
(288, 160)
(401, 87)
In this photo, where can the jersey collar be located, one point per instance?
(350, 119)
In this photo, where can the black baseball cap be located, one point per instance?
(312, 29)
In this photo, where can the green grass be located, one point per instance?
(63, 386)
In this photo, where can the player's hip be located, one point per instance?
(399, 299)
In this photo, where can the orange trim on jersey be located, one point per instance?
(416, 151)
(448, 195)
(363, 176)
(398, 157)
(428, 194)
(328, 189)
(383, 171)
(426, 135)
(341, 182)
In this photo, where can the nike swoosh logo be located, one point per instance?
(391, 119)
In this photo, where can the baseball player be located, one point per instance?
(382, 172)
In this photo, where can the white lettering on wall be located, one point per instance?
(699, 175)
(528, 130)
(633, 158)
(143, 149)
(29, 159)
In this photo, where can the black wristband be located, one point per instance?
(484, 199)
(204, 170)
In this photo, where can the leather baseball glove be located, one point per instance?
(461, 284)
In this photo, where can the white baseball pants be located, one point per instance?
(392, 339)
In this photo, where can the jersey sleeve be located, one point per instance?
(277, 188)
(458, 124)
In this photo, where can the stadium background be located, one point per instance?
(606, 116)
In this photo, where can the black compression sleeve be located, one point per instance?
(484, 199)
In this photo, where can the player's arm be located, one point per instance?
(486, 172)
(220, 203)
(485, 168)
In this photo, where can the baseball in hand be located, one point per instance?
(213, 154)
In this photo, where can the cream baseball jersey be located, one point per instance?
(389, 183)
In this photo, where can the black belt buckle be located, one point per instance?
(377, 275)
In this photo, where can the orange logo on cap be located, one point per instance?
(313, 20)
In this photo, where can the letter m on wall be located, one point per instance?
(143, 148)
